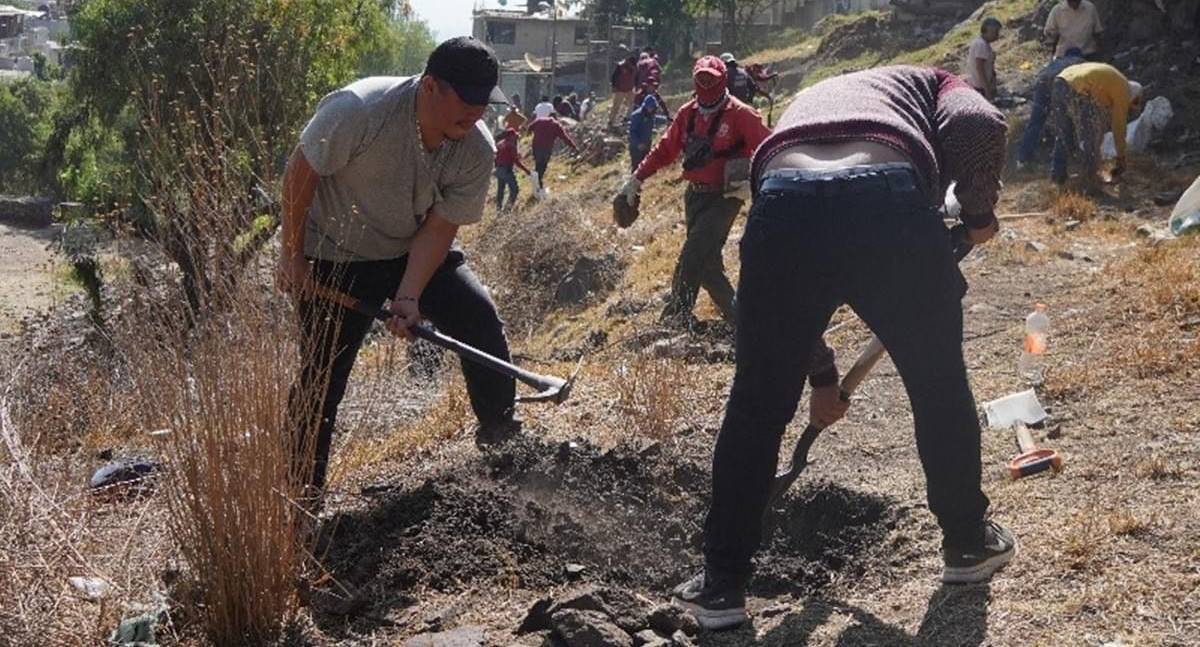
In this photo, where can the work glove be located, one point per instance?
(631, 189)
(739, 190)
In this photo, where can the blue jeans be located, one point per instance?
(867, 237)
(505, 179)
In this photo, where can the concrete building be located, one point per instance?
(24, 34)
(526, 41)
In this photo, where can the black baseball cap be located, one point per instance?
(470, 67)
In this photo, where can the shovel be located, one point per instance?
(550, 388)
(866, 361)
(1018, 411)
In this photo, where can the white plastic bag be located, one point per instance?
(1138, 134)
(1185, 218)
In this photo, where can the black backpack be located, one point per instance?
(698, 151)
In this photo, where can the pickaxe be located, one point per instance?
(866, 361)
(550, 388)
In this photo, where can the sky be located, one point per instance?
(450, 18)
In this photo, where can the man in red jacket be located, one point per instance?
(546, 130)
(713, 131)
(622, 89)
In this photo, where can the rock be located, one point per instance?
(538, 616)
(574, 571)
(583, 628)
(647, 638)
(136, 631)
(1066, 254)
(469, 636)
(666, 619)
(1145, 231)
(1034, 246)
(1071, 225)
(680, 639)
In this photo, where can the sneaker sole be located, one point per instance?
(980, 572)
(714, 620)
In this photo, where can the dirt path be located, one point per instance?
(27, 267)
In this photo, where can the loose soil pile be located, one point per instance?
(536, 515)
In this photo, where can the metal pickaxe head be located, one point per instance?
(554, 389)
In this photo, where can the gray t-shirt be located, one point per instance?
(377, 183)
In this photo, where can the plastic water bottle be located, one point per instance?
(1031, 366)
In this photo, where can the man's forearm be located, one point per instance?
(299, 185)
(429, 249)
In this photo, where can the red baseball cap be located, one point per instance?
(711, 65)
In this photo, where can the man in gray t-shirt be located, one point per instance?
(386, 171)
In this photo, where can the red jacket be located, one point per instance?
(648, 72)
(622, 77)
(545, 131)
(507, 154)
(738, 121)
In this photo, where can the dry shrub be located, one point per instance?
(1074, 206)
(530, 251)
(1081, 544)
(1157, 468)
(1123, 523)
(654, 395)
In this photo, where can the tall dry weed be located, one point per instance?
(654, 395)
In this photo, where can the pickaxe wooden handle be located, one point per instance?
(550, 388)
(866, 361)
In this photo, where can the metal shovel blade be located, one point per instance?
(1022, 407)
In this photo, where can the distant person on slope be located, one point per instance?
(641, 131)
(981, 59)
(741, 85)
(712, 131)
(546, 131)
(1074, 24)
(1032, 137)
(345, 229)
(1089, 99)
(622, 81)
(846, 210)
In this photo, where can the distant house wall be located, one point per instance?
(513, 34)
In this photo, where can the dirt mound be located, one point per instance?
(628, 517)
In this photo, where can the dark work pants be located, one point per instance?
(541, 160)
(454, 300)
(867, 237)
(701, 263)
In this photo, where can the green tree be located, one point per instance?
(211, 94)
(401, 50)
(26, 113)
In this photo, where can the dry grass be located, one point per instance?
(655, 394)
(1074, 206)
(1158, 467)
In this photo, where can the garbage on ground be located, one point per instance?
(92, 588)
(1022, 407)
(125, 477)
(1154, 119)
(1185, 218)
(1031, 367)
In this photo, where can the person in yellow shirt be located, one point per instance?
(1086, 100)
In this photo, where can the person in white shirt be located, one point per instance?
(980, 66)
(1074, 23)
